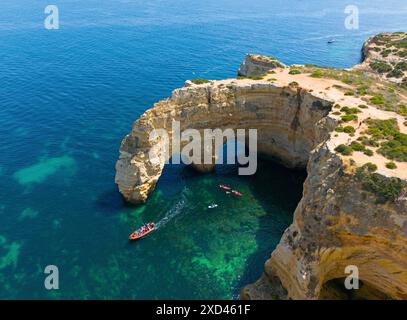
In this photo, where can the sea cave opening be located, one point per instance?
(335, 289)
(231, 242)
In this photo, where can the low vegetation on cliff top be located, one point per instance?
(393, 143)
(383, 135)
(384, 95)
(200, 81)
(391, 44)
(390, 60)
(385, 189)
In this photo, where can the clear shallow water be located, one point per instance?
(68, 97)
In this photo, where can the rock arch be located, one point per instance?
(290, 123)
(336, 223)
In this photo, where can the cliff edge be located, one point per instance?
(346, 127)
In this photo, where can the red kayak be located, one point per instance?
(237, 193)
(143, 231)
(229, 189)
(222, 186)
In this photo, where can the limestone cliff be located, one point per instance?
(287, 119)
(337, 224)
(385, 55)
(345, 127)
(256, 65)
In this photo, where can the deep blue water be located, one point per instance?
(68, 97)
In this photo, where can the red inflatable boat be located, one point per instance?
(143, 231)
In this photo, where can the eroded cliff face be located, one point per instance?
(385, 55)
(290, 122)
(337, 224)
(256, 65)
(339, 221)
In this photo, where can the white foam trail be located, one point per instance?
(172, 213)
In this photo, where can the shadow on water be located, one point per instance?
(110, 202)
(223, 249)
(274, 199)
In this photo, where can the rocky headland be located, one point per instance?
(346, 127)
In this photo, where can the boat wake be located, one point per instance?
(172, 213)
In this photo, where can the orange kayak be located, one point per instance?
(142, 232)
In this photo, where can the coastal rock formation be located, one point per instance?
(287, 119)
(347, 128)
(337, 224)
(385, 55)
(256, 65)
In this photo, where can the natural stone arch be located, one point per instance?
(290, 123)
(337, 221)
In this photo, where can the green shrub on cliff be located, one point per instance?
(382, 129)
(368, 142)
(356, 146)
(344, 150)
(378, 100)
(348, 110)
(395, 73)
(349, 129)
(294, 71)
(402, 43)
(370, 167)
(386, 189)
(349, 117)
(391, 165)
(401, 66)
(363, 89)
(380, 66)
(368, 152)
(317, 74)
(395, 145)
(402, 53)
(260, 77)
(402, 109)
(395, 149)
(199, 81)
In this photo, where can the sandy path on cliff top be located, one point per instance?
(324, 88)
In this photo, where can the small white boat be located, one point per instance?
(212, 206)
(331, 41)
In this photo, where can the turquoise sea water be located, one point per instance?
(68, 97)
